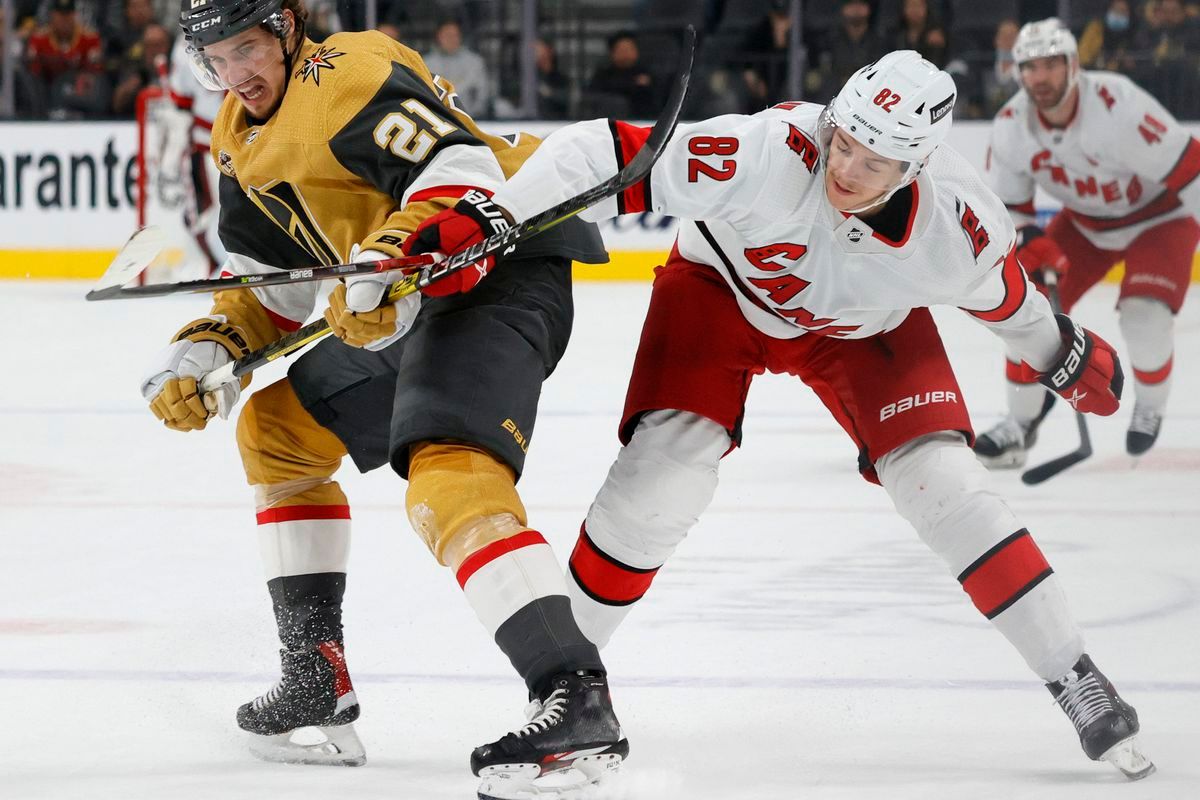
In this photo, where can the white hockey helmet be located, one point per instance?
(899, 107)
(1043, 39)
(1048, 38)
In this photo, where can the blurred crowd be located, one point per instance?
(84, 59)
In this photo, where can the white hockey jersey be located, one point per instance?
(749, 190)
(1120, 166)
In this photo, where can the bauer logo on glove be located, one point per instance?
(472, 220)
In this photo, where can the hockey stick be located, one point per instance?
(127, 265)
(638, 168)
(1043, 472)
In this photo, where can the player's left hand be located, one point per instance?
(1038, 253)
(474, 218)
(1088, 372)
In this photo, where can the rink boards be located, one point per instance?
(67, 201)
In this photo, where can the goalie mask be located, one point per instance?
(221, 46)
(899, 110)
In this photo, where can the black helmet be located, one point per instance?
(207, 21)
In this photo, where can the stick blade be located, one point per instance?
(1044, 472)
(138, 253)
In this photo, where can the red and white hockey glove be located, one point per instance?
(474, 218)
(1038, 253)
(1088, 373)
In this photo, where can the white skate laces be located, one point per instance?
(1084, 699)
(264, 700)
(1145, 420)
(1007, 433)
(544, 715)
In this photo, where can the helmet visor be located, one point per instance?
(857, 167)
(231, 62)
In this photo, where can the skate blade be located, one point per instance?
(581, 780)
(334, 745)
(1128, 757)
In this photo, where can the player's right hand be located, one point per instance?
(1087, 373)
(171, 385)
(355, 315)
(1038, 253)
(472, 220)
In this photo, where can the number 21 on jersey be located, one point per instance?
(711, 146)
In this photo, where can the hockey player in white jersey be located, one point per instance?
(1125, 172)
(813, 239)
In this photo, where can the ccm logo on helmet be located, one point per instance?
(915, 401)
(205, 23)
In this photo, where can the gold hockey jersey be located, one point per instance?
(364, 145)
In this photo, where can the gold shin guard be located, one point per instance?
(461, 499)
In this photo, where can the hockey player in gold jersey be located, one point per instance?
(335, 152)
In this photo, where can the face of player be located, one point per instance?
(856, 176)
(1047, 80)
(251, 66)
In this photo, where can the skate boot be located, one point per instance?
(1007, 445)
(1106, 724)
(572, 740)
(1143, 430)
(313, 700)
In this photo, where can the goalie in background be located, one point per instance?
(203, 214)
(178, 191)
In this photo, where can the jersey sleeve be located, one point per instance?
(1156, 146)
(1004, 300)
(410, 144)
(1014, 185)
(715, 169)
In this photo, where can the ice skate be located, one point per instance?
(1106, 724)
(1143, 430)
(306, 718)
(1007, 445)
(572, 740)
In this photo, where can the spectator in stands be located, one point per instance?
(765, 49)
(63, 46)
(1107, 42)
(1170, 43)
(918, 29)
(142, 71)
(553, 88)
(122, 42)
(1003, 80)
(848, 47)
(27, 102)
(461, 66)
(623, 83)
(324, 19)
(65, 61)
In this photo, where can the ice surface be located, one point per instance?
(802, 644)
